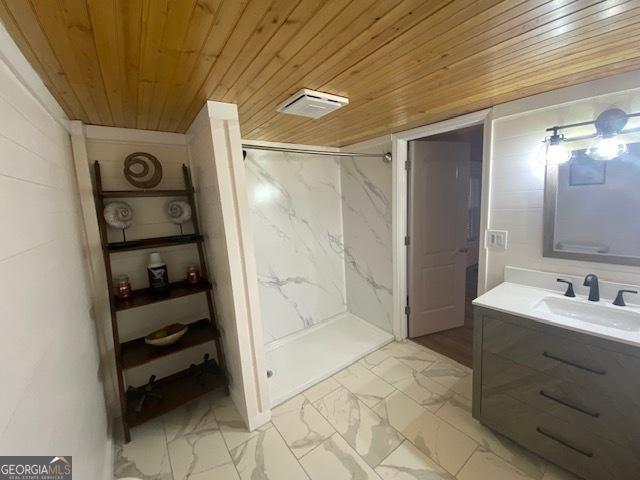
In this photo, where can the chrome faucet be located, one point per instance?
(591, 281)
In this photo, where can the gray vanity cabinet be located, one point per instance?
(572, 398)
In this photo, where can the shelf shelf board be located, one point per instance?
(144, 193)
(137, 352)
(147, 296)
(156, 242)
(175, 390)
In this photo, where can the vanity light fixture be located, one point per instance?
(557, 151)
(606, 145)
(608, 125)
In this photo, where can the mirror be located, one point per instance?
(592, 208)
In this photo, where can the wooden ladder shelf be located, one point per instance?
(185, 385)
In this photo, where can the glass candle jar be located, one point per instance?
(193, 275)
(123, 287)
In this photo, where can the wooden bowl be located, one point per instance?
(167, 335)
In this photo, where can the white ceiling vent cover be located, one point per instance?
(312, 104)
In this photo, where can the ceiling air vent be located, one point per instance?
(312, 104)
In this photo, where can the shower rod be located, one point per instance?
(386, 157)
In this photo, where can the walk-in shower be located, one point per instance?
(321, 223)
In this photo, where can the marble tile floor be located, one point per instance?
(401, 413)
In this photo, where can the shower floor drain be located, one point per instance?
(270, 373)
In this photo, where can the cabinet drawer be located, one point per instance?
(561, 442)
(557, 354)
(609, 417)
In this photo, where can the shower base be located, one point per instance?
(305, 358)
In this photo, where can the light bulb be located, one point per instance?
(557, 153)
(606, 148)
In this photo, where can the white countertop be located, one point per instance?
(521, 300)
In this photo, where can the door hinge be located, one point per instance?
(407, 164)
(407, 240)
(407, 310)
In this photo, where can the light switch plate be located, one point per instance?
(497, 239)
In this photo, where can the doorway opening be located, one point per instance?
(444, 204)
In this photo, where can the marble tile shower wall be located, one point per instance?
(322, 235)
(366, 210)
(296, 217)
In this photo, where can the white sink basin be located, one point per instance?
(590, 312)
(536, 296)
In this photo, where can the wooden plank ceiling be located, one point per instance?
(152, 63)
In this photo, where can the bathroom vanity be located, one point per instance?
(560, 376)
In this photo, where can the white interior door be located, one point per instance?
(438, 192)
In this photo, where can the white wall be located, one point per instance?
(517, 172)
(296, 222)
(52, 400)
(367, 216)
(218, 174)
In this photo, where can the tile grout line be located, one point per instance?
(467, 460)
(433, 413)
(338, 385)
(285, 442)
(348, 444)
(478, 445)
(488, 448)
(440, 418)
(317, 446)
(448, 390)
(289, 448)
(336, 432)
(320, 398)
(312, 450)
(224, 440)
(210, 405)
(226, 443)
(442, 384)
(420, 372)
(392, 452)
(166, 446)
(447, 422)
(404, 438)
(355, 394)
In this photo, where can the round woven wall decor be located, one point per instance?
(142, 170)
